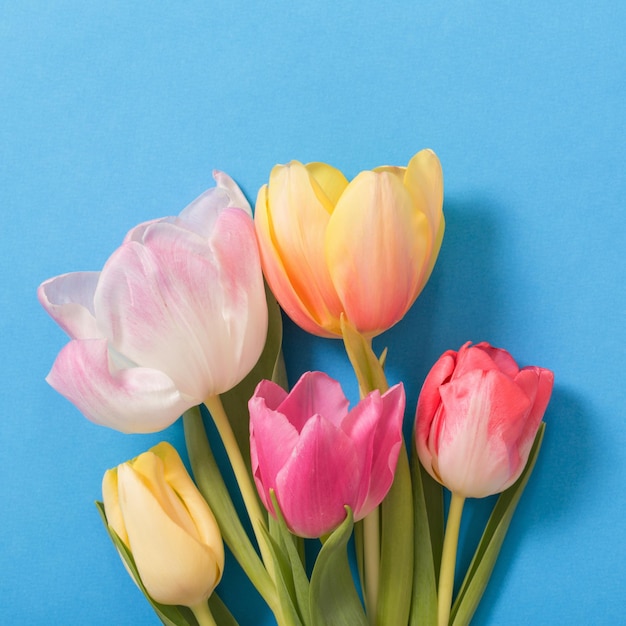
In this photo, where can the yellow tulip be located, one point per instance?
(364, 249)
(157, 511)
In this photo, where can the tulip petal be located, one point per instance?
(482, 356)
(272, 442)
(537, 383)
(276, 273)
(236, 196)
(330, 180)
(293, 224)
(174, 567)
(110, 498)
(484, 416)
(375, 427)
(315, 393)
(133, 400)
(501, 358)
(376, 232)
(176, 476)
(320, 478)
(194, 311)
(424, 180)
(68, 299)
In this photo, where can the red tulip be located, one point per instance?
(477, 417)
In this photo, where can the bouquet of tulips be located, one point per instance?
(184, 314)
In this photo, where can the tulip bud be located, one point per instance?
(364, 248)
(319, 457)
(477, 417)
(158, 513)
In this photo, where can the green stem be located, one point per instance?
(371, 540)
(448, 559)
(203, 614)
(247, 489)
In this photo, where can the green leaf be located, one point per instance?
(270, 366)
(220, 612)
(168, 614)
(367, 367)
(290, 610)
(211, 485)
(429, 529)
(397, 537)
(333, 599)
(488, 549)
(293, 548)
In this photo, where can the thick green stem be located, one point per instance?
(203, 614)
(448, 559)
(248, 491)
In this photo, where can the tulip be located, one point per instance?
(317, 456)
(158, 513)
(177, 314)
(364, 249)
(477, 417)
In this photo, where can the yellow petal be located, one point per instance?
(396, 170)
(297, 218)
(150, 469)
(177, 477)
(377, 246)
(424, 180)
(330, 180)
(112, 510)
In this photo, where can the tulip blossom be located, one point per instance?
(318, 456)
(177, 314)
(364, 248)
(158, 513)
(477, 417)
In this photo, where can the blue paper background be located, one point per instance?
(117, 112)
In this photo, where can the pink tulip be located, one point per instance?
(477, 417)
(177, 314)
(319, 457)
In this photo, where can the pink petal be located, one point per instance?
(272, 441)
(134, 400)
(315, 393)
(235, 195)
(502, 359)
(271, 393)
(68, 299)
(320, 478)
(429, 403)
(484, 417)
(536, 383)
(375, 427)
(194, 311)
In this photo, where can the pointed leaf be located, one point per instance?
(220, 612)
(293, 548)
(428, 520)
(488, 549)
(334, 600)
(397, 537)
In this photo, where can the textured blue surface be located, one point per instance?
(116, 112)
